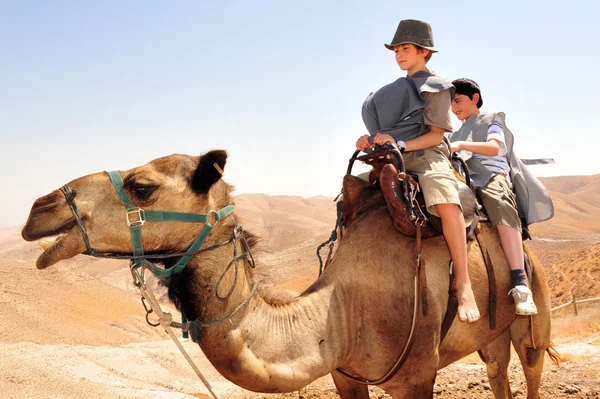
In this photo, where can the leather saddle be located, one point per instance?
(402, 194)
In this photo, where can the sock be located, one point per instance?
(518, 277)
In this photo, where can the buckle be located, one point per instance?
(135, 217)
(209, 215)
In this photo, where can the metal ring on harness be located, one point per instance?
(148, 311)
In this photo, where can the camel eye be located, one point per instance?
(142, 191)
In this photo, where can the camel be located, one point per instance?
(354, 317)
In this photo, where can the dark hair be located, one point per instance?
(419, 48)
(468, 87)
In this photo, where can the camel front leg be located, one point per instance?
(348, 389)
(496, 357)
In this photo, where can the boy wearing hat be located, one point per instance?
(414, 112)
(486, 144)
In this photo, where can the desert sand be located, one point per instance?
(77, 329)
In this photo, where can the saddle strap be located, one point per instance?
(422, 273)
(452, 307)
(491, 278)
(419, 293)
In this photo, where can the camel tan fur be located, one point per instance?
(356, 316)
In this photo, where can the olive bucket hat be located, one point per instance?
(413, 31)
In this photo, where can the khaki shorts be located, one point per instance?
(500, 202)
(436, 176)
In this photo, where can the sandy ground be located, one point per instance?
(156, 370)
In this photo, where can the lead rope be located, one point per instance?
(165, 320)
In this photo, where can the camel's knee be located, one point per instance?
(493, 368)
(533, 356)
(493, 364)
(496, 356)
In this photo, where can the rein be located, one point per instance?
(419, 281)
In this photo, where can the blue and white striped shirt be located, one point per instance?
(499, 163)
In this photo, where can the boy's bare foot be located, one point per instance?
(467, 307)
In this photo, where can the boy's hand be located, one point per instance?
(456, 146)
(382, 138)
(363, 143)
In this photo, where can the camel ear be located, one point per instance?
(209, 170)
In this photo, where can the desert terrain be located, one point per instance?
(77, 329)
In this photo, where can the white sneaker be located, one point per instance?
(523, 300)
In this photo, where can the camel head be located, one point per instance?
(176, 183)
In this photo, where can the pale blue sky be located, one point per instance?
(88, 86)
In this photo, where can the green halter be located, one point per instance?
(136, 217)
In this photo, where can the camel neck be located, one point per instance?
(270, 345)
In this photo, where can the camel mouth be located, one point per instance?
(62, 246)
(49, 244)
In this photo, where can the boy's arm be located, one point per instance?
(438, 116)
(489, 148)
(434, 137)
(493, 146)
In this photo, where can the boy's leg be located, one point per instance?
(440, 190)
(453, 226)
(512, 244)
(501, 206)
(510, 238)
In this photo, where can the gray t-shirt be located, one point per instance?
(438, 111)
(404, 108)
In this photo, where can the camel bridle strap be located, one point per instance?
(135, 219)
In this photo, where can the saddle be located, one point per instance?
(403, 196)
